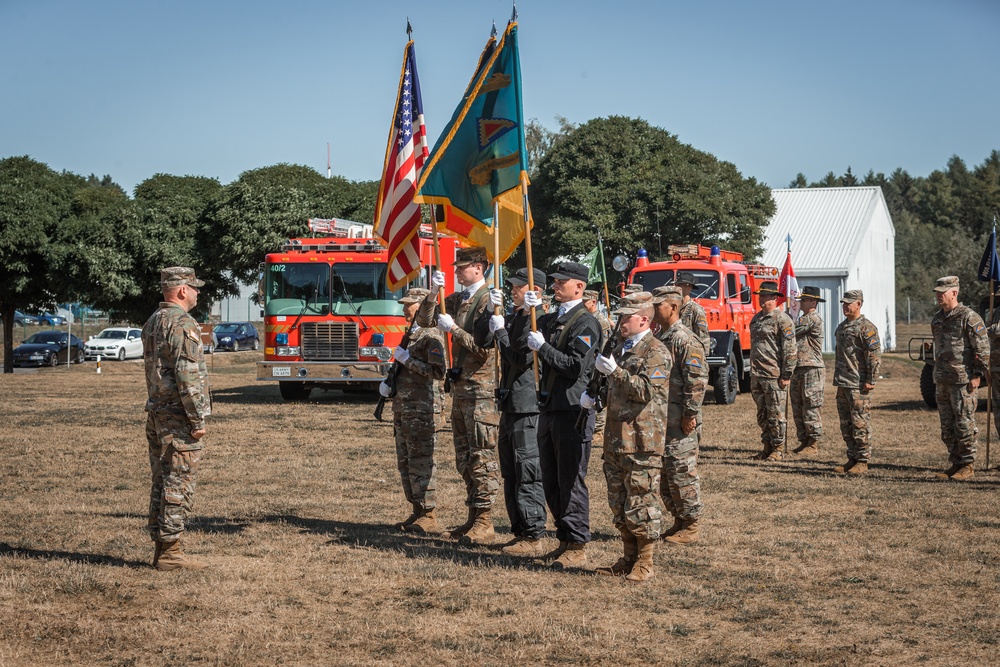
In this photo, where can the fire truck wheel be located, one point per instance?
(927, 389)
(294, 391)
(726, 382)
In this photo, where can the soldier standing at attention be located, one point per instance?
(179, 401)
(471, 379)
(680, 485)
(858, 360)
(772, 360)
(692, 314)
(416, 412)
(961, 358)
(517, 398)
(638, 382)
(566, 342)
(810, 374)
(590, 301)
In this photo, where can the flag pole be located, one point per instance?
(531, 270)
(989, 390)
(788, 309)
(604, 271)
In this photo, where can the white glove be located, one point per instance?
(437, 280)
(535, 340)
(531, 299)
(384, 390)
(606, 365)
(445, 322)
(496, 322)
(401, 354)
(496, 297)
(586, 401)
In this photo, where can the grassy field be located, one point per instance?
(295, 509)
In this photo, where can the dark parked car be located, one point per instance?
(237, 336)
(48, 348)
(21, 318)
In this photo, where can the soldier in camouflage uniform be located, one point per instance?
(416, 413)
(961, 358)
(772, 361)
(638, 383)
(179, 401)
(692, 314)
(680, 485)
(472, 382)
(809, 377)
(591, 303)
(858, 360)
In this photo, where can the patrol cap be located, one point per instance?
(632, 288)
(520, 277)
(768, 288)
(685, 278)
(179, 275)
(810, 292)
(466, 256)
(946, 283)
(570, 271)
(630, 304)
(852, 295)
(590, 294)
(414, 295)
(661, 294)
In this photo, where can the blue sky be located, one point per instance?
(214, 88)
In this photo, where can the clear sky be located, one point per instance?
(132, 88)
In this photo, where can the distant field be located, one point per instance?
(294, 512)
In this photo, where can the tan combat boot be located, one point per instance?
(949, 472)
(689, 534)
(558, 551)
(481, 531)
(775, 455)
(526, 547)
(157, 552)
(807, 448)
(425, 524)
(172, 558)
(859, 468)
(575, 556)
(678, 524)
(458, 531)
(417, 511)
(963, 473)
(643, 568)
(625, 563)
(841, 469)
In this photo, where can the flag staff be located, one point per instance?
(528, 259)
(604, 271)
(788, 308)
(989, 374)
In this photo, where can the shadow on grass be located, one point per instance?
(903, 406)
(73, 557)
(267, 393)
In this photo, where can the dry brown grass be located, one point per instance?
(294, 513)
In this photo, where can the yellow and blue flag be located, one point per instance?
(480, 156)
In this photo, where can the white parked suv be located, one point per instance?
(120, 343)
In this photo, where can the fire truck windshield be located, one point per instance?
(318, 289)
(706, 287)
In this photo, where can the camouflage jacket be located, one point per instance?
(417, 384)
(858, 353)
(176, 377)
(689, 373)
(693, 317)
(961, 348)
(637, 398)
(809, 340)
(477, 364)
(772, 345)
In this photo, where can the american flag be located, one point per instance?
(397, 217)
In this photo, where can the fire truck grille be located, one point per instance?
(330, 341)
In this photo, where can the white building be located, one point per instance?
(238, 308)
(842, 239)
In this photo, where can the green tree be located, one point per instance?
(642, 188)
(539, 140)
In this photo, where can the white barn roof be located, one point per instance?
(827, 226)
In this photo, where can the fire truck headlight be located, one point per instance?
(281, 339)
(711, 346)
(288, 351)
(383, 353)
(378, 339)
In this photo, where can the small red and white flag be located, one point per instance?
(397, 216)
(789, 288)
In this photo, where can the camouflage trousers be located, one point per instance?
(474, 425)
(633, 492)
(173, 458)
(680, 486)
(806, 394)
(770, 400)
(957, 411)
(854, 410)
(415, 434)
(599, 420)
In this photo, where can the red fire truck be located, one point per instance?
(329, 319)
(726, 287)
